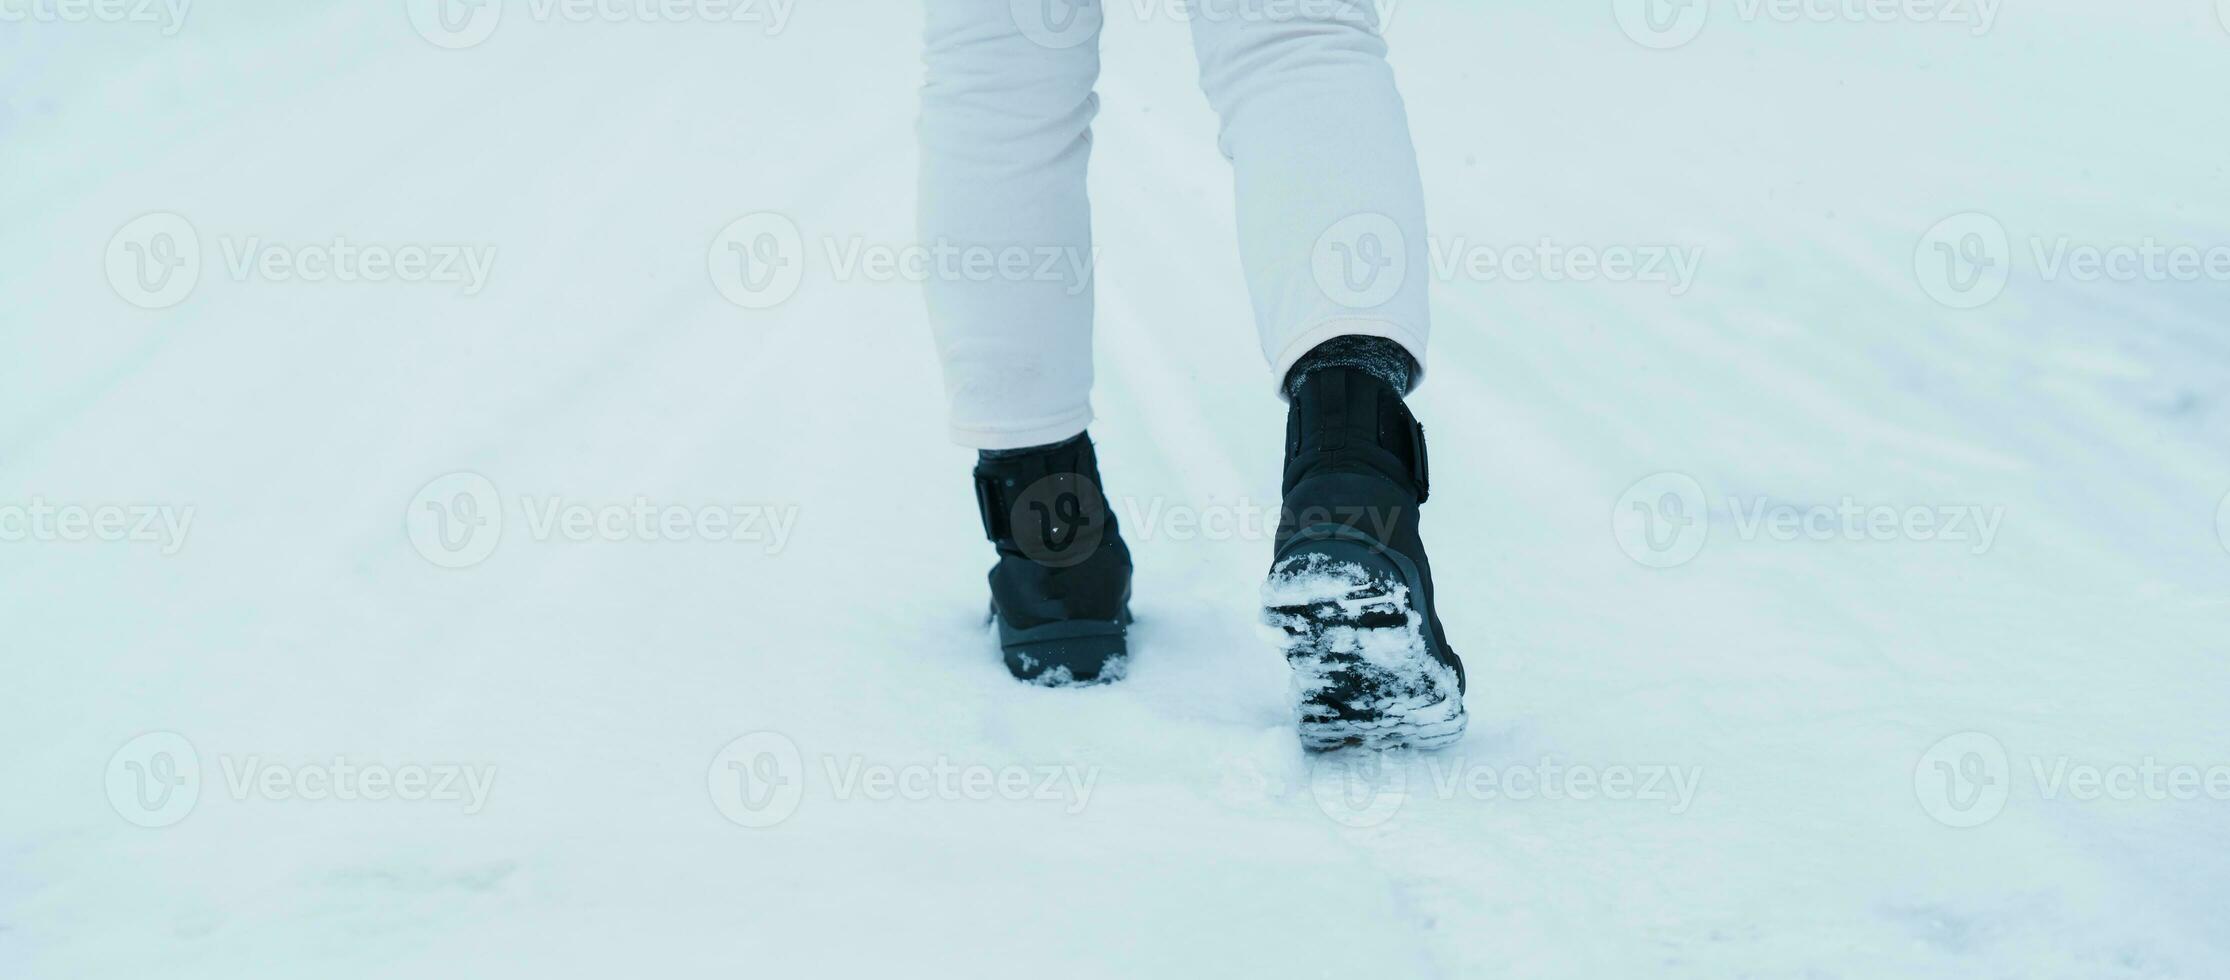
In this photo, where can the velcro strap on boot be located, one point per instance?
(1348, 415)
(1420, 469)
(992, 507)
(1001, 481)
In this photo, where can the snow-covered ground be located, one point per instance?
(1818, 626)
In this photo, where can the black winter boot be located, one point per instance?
(1060, 593)
(1349, 598)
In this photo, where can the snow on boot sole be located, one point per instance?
(1364, 673)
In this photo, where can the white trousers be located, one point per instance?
(1331, 213)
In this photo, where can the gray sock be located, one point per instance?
(1376, 356)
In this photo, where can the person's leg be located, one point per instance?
(1332, 234)
(1331, 209)
(1005, 135)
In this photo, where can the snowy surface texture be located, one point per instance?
(1846, 590)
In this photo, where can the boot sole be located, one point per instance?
(1364, 670)
(1076, 653)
